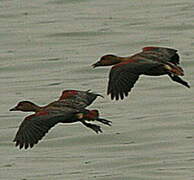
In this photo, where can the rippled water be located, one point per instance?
(48, 46)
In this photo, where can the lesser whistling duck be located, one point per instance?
(34, 127)
(153, 61)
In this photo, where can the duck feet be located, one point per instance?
(104, 121)
(179, 80)
(94, 127)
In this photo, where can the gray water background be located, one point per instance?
(47, 46)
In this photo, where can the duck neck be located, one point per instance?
(36, 108)
(121, 59)
(114, 61)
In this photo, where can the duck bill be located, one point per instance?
(96, 64)
(13, 109)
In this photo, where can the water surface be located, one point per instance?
(48, 46)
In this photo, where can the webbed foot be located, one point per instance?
(94, 127)
(104, 121)
(179, 80)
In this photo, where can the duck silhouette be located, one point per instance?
(152, 61)
(34, 127)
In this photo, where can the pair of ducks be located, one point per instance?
(71, 106)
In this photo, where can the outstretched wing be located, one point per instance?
(124, 75)
(161, 54)
(34, 127)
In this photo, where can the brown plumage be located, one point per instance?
(78, 99)
(34, 127)
(153, 61)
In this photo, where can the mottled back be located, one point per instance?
(160, 54)
(78, 99)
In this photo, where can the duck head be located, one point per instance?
(107, 60)
(26, 106)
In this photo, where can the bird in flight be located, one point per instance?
(34, 127)
(152, 61)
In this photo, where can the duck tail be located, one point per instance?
(177, 70)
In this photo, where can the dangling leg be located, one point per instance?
(179, 80)
(104, 121)
(94, 127)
